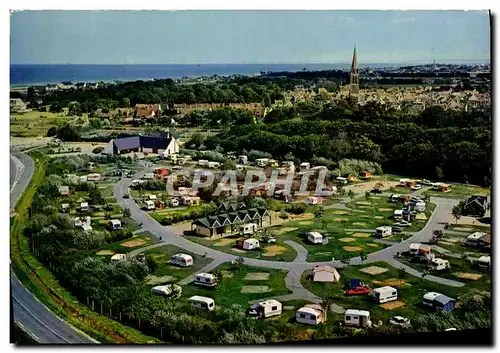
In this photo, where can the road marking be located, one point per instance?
(40, 321)
(18, 323)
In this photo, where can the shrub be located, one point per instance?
(297, 208)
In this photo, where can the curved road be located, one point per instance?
(296, 267)
(40, 323)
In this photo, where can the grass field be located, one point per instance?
(228, 291)
(35, 123)
(274, 252)
(366, 214)
(460, 192)
(458, 266)
(410, 293)
(162, 257)
(453, 243)
(125, 246)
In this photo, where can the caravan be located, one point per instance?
(248, 244)
(315, 237)
(266, 309)
(202, 302)
(358, 318)
(385, 294)
(248, 229)
(205, 279)
(439, 264)
(182, 260)
(384, 231)
(312, 314)
(262, 162)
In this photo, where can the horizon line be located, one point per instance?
(406, 62)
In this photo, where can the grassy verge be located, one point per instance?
(228, 291)
(42, 283)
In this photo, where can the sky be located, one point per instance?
(242, 37)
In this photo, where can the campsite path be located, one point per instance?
(412, 271)
(294, 268)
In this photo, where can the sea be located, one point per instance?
(26, 75)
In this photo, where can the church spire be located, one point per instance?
(354, 76)
(354, 66)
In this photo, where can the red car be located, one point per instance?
(364, 290)
(356, 287)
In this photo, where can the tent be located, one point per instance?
(325, 274)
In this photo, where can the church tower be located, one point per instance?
(354, 75)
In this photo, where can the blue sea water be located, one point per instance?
(42, 74)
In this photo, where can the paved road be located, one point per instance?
(41, 323)
(294, 268)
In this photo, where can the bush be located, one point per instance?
(297, 208)
(256, 154)
(98, 150)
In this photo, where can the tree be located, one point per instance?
(126, 212)
(326, 304)
(463, 258)
(267, 101)
(151, 263)
(345, 260)
(437, 234)
(239, 262)
(439, 173)
(362, 255)
(402, 274)
(457, 213)
(126, 102)
(351, 195)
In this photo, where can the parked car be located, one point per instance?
(376, 191)
(397, 229)
(399, 321)
(426, 182)
(402, 224)
(356, 287)
(126, 196)
(417, 187)
(267, 239)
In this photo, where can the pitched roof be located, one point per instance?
(133, 142)
(146, 110)
(128, 143)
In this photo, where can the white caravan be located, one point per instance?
(315, 237)
(202, 302)
(182, 260)
(385, 294)
(205, 279)
(384, 231)
(358, 318)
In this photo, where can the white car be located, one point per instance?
(417, 187)
(399, 321)
(402, 224)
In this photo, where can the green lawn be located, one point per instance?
(458, 266)
(228, 291)
(288, 253)
(410, 294)
(146, 237)
(35, 123)
(460, 192)
(449, 242)
(162, 256)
